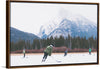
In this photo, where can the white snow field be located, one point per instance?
(35, 59)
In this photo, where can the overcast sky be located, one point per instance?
(29, 17)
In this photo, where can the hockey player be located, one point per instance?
(47, 51)
(24, 52)
(65, 53)
(90, 51)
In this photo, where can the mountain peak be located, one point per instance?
(65, 21)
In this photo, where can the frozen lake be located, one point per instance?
(71, 58)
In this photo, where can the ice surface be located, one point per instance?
(18, 60)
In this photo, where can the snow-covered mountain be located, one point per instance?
(46, 29)
(69, 27)
(68, 23)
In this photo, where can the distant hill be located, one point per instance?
(17, 34)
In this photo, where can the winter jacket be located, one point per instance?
(48, 50)
(89, 50)
(24, 51)
(66, 51)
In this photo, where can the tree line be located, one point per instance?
(69, 42)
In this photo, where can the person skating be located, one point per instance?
(47, 51)
(24, 52)
(90, 51)
(65, 53)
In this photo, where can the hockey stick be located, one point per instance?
(56, 60)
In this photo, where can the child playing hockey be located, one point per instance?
(90, 51)
(65, 53)
(47, 52)
(24, 52)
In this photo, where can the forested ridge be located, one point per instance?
(69, 42)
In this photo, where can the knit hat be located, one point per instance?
(51, 45)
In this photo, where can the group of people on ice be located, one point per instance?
(48, 52)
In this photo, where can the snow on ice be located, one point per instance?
(19, 60)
